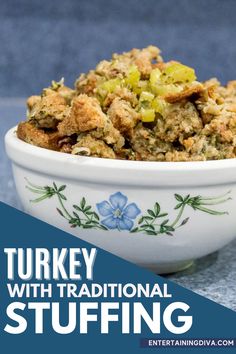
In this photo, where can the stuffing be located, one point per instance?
(88, 145)
(35, 136)
(87, 83)
(144, 59)
(178, 121)
(136, 106)
(48, 110)
(187, 92)
(147, 146)
(120, 92)
(85, 114)
(123, 116)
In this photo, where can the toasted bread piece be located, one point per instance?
(95, 147)
(187, 92)
(36, 136)
(87, 83)
(85, 114)
(123, 93)
(180, 120)
(144, 59)
(123, 116)
(48, 110)
(32, 100)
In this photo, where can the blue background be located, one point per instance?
(45, 40)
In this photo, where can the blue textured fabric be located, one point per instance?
(45, 40)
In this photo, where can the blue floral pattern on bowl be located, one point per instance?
(118, 213)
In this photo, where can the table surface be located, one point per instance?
(213, 276)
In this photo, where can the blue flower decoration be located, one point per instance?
(118, 214)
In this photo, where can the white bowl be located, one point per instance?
(122, 206)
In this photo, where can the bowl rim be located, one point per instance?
(49, 162)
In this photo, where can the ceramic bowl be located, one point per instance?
(159, 215)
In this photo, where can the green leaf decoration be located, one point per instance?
(94, 222)
(87, 208)
(88, 212)
(87, 226)
(95, 215)
(165, 222)
(134, 230)
(62, 188)
(77, 207)
(157, 209)
(178, 206)
(169, 228)
(75, 214)
(149, 223)
(184, 221)
(60, 212)
(162, 215)
(147, 218)
(149, 226)
(103, 227)
(140, 220)
(82, 203)
(150, 212)
(186, 198)
(36, 191)
(179, 198)
(153, 233)
(62, 196)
